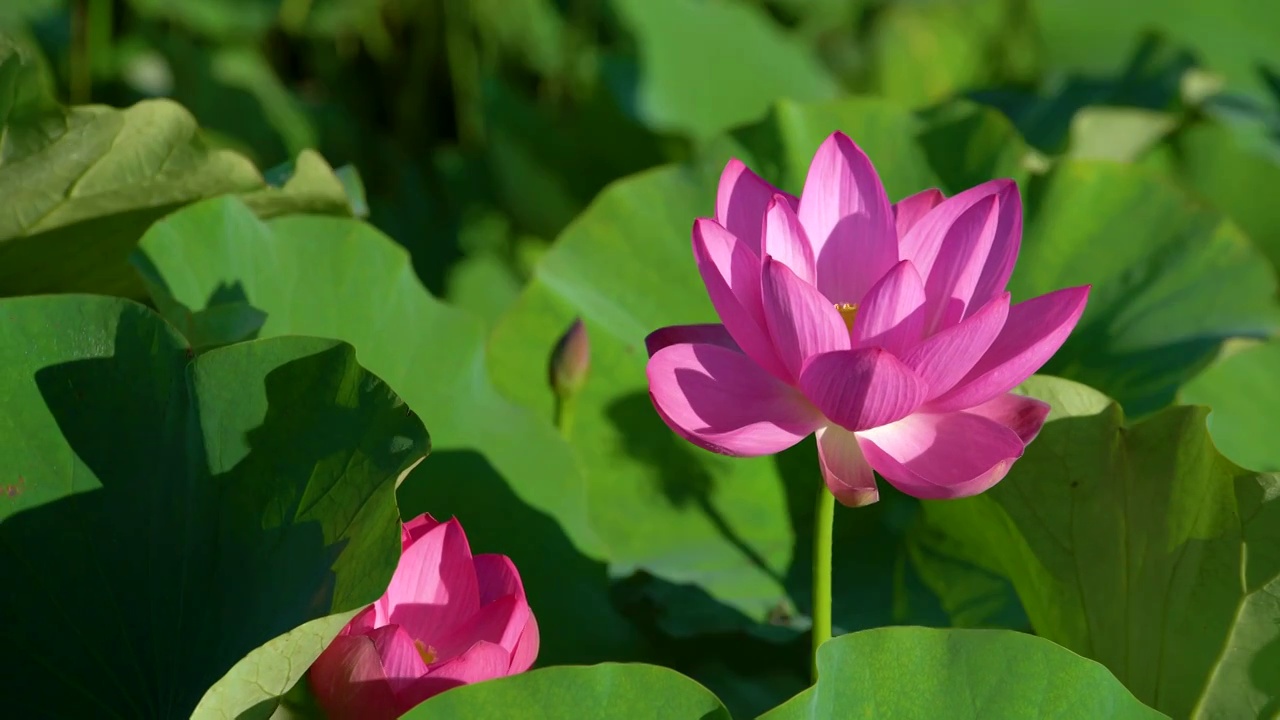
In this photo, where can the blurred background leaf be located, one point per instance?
(742, 62)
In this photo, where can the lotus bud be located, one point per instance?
(571, 360)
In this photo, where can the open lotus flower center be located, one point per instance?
(848, 313)
(427, 652)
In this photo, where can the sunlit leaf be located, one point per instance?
(508, 477)
(1140, 547)
(960, 674)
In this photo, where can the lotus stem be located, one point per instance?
(80, 74)
(823, 521)
(564, 414)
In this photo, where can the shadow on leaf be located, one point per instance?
(683, 480)
(148, 573)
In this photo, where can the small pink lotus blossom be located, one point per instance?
(447, 619)
(884, 329)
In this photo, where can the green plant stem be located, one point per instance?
(78, 68)
(564, 414)
(823, 521)
(464, 71)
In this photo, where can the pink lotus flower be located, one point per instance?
(884, 329)
(447, 619)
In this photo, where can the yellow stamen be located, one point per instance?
(848, 312)
(427, 652)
